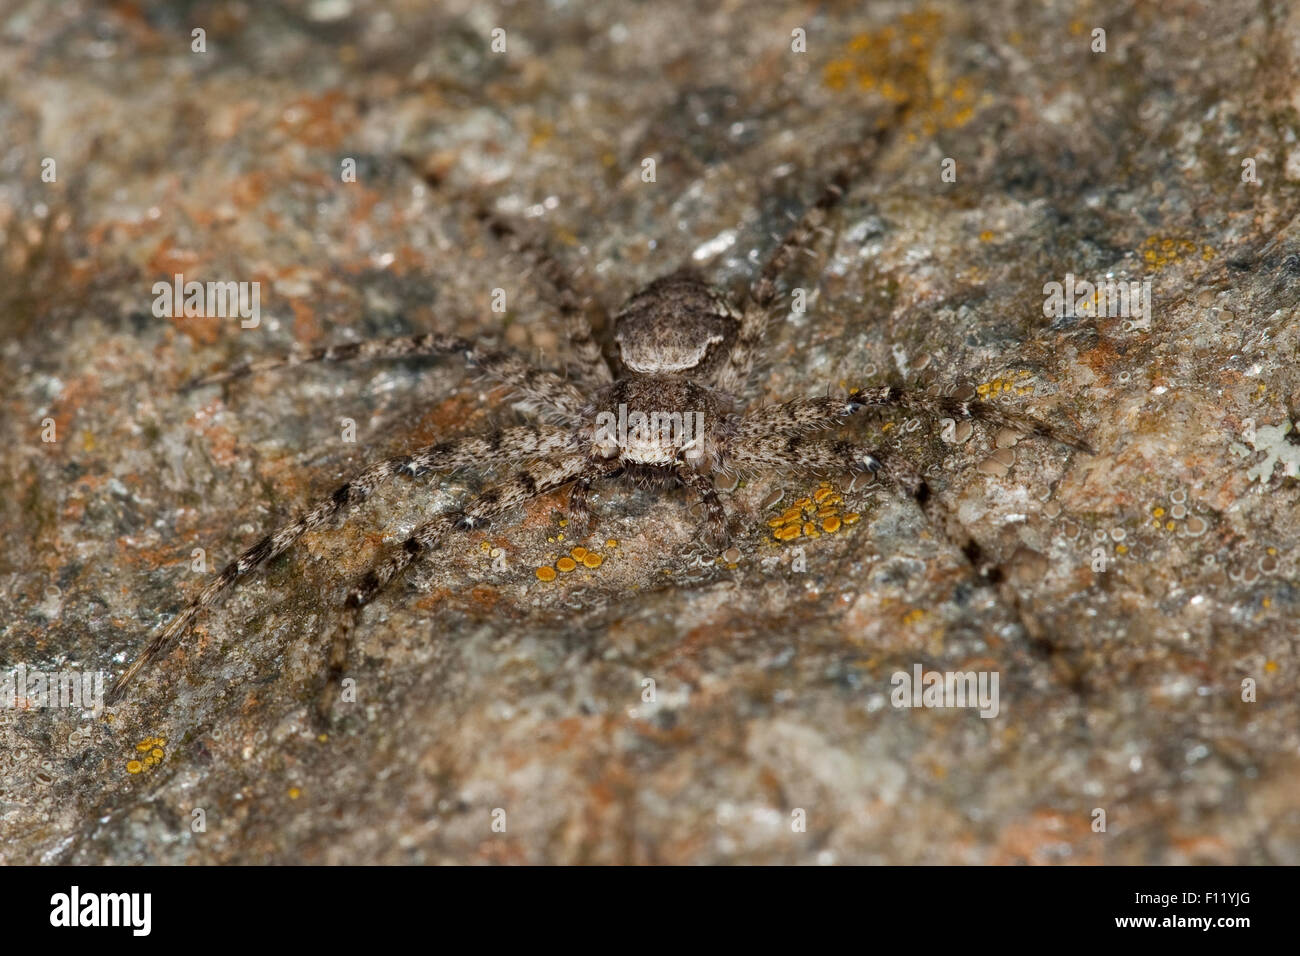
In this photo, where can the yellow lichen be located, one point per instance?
(1160, 251)
(592, 560)
(152, 749)
(545, 573)
(897, 62)
(566, 564)
(810, 516)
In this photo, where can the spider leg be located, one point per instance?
(945, 406)
(715, 515)
(503, 445)
(805, 415)
(533, 480)
(572, 303)
(536, 387)
(825, 457)
(753, 454)
(762, 293)
(794, 453)
(579, 510)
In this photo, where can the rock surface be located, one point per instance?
(1159, 575)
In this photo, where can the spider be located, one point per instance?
(681, 359)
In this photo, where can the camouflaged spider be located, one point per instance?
(683, 353)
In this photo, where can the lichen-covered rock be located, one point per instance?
(645, 700)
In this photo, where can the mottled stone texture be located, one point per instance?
(1162, 571)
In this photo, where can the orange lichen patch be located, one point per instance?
(1160, 251)
(245, 192)
(896, 62)
(152, 749)
(441, 418)
(294, 793)
(167, 260)
(611, 543)
(306, 330)
(1005, 385)
(315, 120)
(567, 564)
(810, 516)
(1039, 839)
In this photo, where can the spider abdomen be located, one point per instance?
(676, 325)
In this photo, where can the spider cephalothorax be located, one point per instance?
(667, 407)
